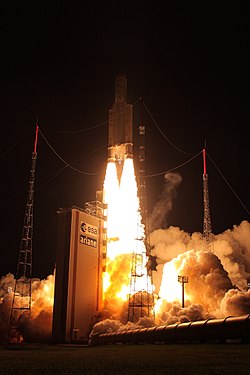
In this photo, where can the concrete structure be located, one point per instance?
(80, 260)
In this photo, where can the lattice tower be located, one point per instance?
(207, 227)
(21, 302)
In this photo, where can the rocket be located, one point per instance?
(120, 144)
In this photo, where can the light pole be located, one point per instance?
(183, 280)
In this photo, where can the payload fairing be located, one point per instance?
(120, 144)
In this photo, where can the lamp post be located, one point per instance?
(183, 280)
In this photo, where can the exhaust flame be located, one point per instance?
(125, 233)
(123, 222)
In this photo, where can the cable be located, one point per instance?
(89, 128)
(173, 169)
(64, 161)
(164, 136)
(11, 147)
(79, 131)
(229, 185)
(49, 178)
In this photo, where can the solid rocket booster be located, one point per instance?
(120, 144)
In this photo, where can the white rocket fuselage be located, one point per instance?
(120, 144)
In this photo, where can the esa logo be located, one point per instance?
(88, 229)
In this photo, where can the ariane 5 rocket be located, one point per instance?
(120, 145)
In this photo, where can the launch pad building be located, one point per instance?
(80, 260)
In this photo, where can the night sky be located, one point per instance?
(189, 64)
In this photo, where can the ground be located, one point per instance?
(205, 359)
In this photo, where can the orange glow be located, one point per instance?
(170, 287)
(42, 295)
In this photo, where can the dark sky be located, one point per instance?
(189, 64)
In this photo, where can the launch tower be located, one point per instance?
(141, 303)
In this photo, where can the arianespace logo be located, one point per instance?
(92, 242)
(89, 231)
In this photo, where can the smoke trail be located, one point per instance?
(165, 202)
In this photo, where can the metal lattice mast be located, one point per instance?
(207, 227)
(141, 302)
(22, 291)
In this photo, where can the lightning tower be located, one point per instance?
(22, 291)
(207, 227)
(141, 303)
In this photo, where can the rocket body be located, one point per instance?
(120, 144)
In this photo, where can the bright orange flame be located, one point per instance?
(125, 232)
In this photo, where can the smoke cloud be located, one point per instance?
(216, 279)
(36, 326)
(217, 285)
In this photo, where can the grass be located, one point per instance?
(205, 359)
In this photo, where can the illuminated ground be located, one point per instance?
(127, 359)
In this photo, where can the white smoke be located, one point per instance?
(233, 249)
